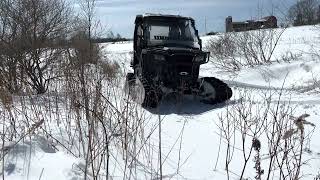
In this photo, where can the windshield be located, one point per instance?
(178, 32)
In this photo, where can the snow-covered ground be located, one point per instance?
(193, 145)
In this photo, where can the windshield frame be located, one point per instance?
(165, 40)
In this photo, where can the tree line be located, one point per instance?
(304, 12)
(110, 38)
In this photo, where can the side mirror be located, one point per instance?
(207, 56)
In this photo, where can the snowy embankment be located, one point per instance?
(193, 144)
(294, 83)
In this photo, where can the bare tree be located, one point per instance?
(32, 28)
(303, 12)
(10, 53)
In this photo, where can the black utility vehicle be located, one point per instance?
(166, 59)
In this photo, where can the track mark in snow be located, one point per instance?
(295, 93)
(124, 52)
(297, 89)
(259, 87)
(309, 102)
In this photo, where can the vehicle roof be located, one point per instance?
(151, 15)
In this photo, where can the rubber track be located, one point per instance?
(152, 97)
(223, 91)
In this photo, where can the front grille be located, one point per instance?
(181, 63)
(180, 67)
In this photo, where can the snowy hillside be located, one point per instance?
(198, 140)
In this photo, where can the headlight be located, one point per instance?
(159, 57)
(200, 58)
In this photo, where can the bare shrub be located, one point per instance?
(110, 70)
(84, 112)
(11, 53)
(250, 48)
(88, 85)
(83, 52)
(317, 177)
(270, 129)
(289, 57)
(257, 47)
(6, 97)
(223, 51)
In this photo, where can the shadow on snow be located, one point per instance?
(186, 106)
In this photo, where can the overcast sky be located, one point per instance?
(119, 15)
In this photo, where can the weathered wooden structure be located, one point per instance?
(263, 23)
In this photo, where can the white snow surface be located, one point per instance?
(195, 126)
